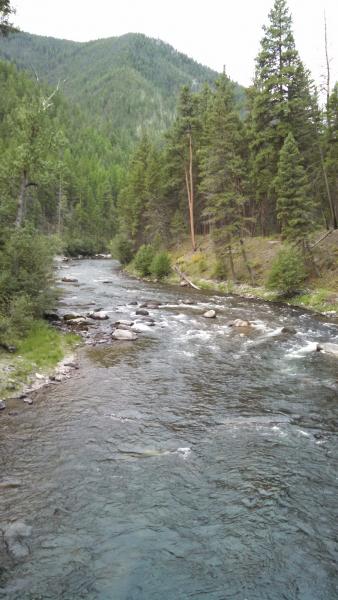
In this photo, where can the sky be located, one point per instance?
(213, 32)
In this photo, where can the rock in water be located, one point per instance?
(289, 330)
(239, 323)
(71, 316)
(142, 311)
(329, 348)
(99, 315)
(68, 279)
(210, 314)
(124, 322)
(124, 334)
(14, 535)
(2, 405)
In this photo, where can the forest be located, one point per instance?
(94, 155)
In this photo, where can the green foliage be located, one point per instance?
(83, 247)
(295, 205)
(125, 83)
(122, 249)
(160, 265)
(143, 259)
(288, 271)
(26, 269)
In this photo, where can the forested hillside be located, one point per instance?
(126, 84)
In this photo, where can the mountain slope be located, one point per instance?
(126, 83)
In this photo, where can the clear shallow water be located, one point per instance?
(193, 463)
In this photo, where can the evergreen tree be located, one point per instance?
(222, 168)
(295, 206)
(281, 101)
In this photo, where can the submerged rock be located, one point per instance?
(9, 482)
(289, 330)
(68, 279)
(14, 536)
(123, 334)
(239, 323)
(328, 348)
(142, 311)
(210, 314)
(188, 301)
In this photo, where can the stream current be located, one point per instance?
(197, 462)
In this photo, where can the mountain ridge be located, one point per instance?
(126, 83)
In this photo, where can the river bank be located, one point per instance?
(45, 355)
(319, 293)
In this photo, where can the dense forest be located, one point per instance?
(92, 150)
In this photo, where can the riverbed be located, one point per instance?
(197, 462)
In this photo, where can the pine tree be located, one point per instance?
(281, 101)
(295, 206)
(222, 169)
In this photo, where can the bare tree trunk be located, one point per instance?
(59, 204)
(191, 197)
(231, 261)
(246, 262)
(328, 191)
(20, 212)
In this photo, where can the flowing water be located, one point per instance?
(196, 462)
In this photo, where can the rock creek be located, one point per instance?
(197, 462)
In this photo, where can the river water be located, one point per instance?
(196, 462)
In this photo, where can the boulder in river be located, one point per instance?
(188, 301)
(98, 315)
(239, 323)
(68, 279)
(124, 322)
(71, 316)
(328, 348)
(210, 314)
(123, 334)
(142, 311)
(183, 283)
(2, 405)
(289, 330)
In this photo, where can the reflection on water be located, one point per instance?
(196, 462)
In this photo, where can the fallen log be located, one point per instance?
(184, 277)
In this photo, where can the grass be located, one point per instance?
(40, 351)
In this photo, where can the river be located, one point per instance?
(197, 462)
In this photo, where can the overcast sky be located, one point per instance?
(213, 32)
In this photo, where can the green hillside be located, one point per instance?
(127, 83)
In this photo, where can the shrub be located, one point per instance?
(287, 272)
(77, 246)
(161, 265)
(122, 249)
(143, 259)
(26, 270)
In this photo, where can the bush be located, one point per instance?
(143, 259)
(161, 265)
(77, 246)
(287, 272)
(122, 249)
(26, 263)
